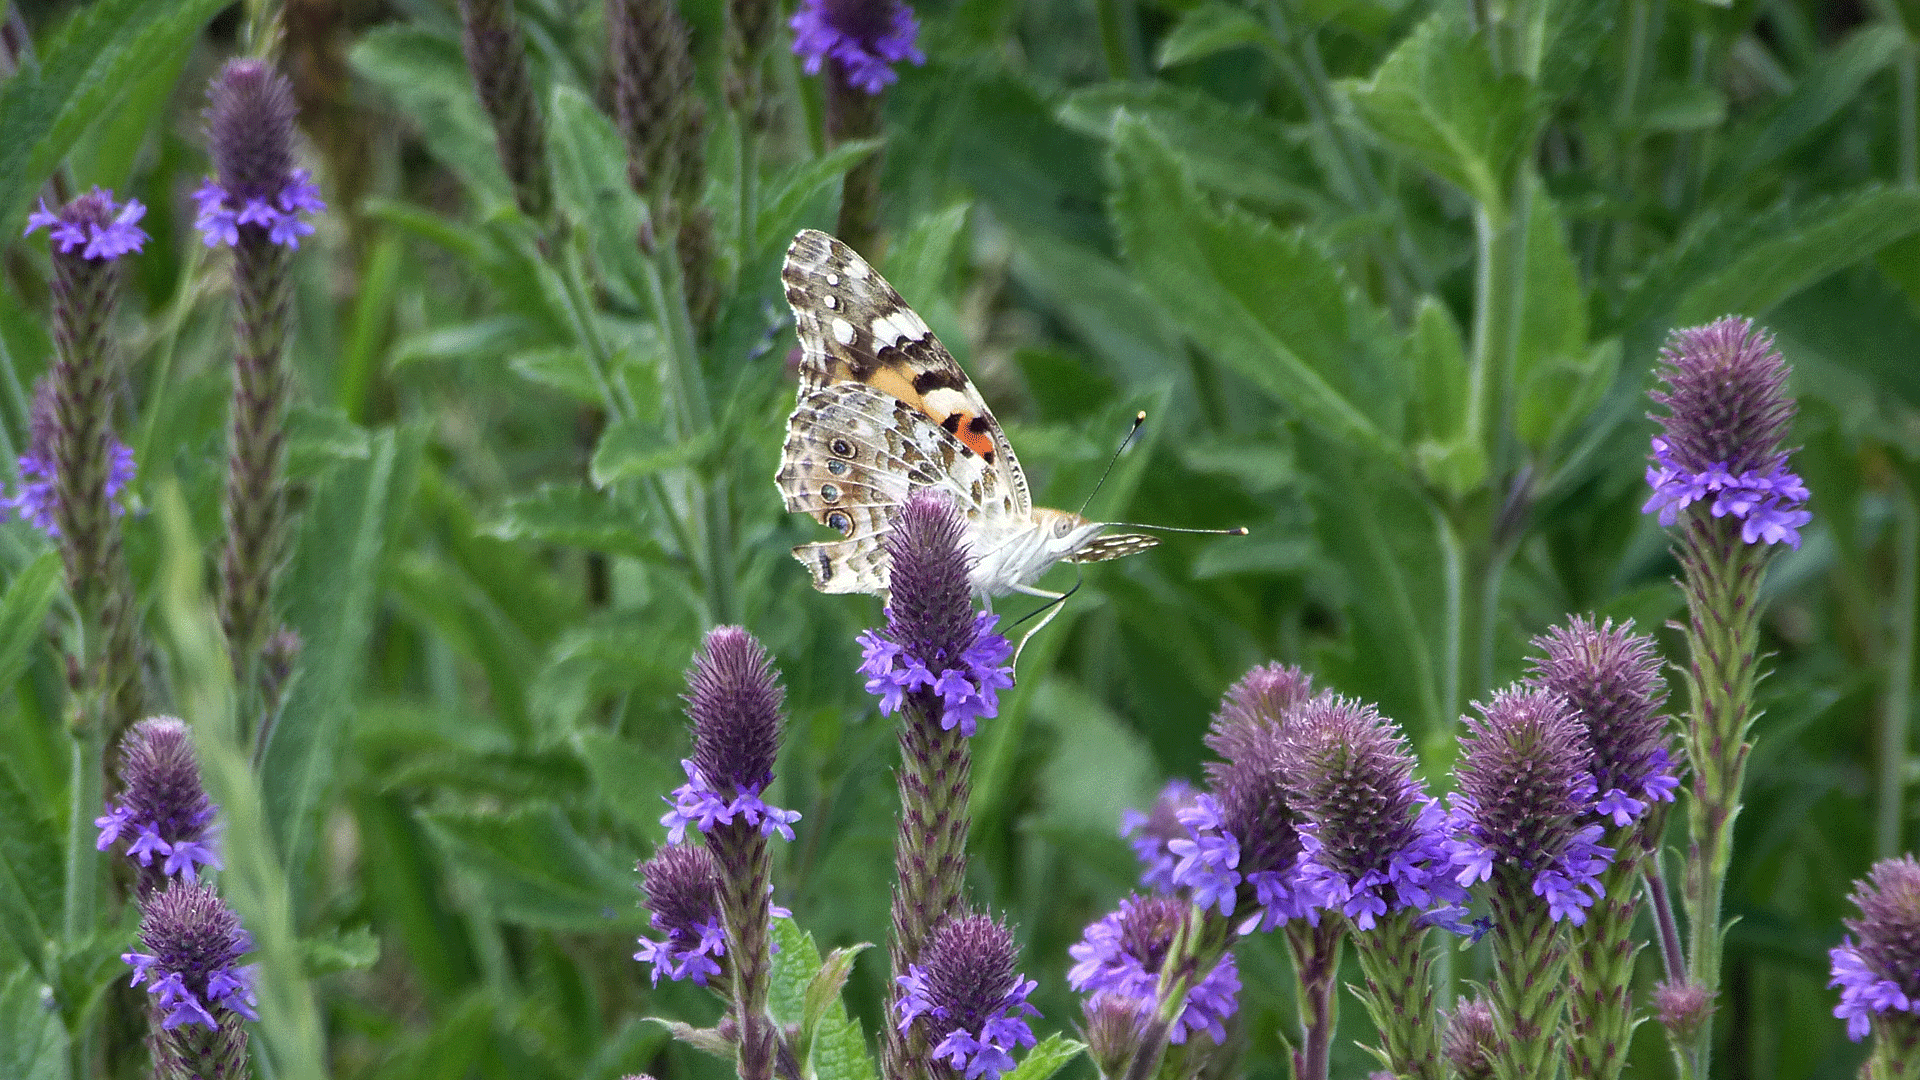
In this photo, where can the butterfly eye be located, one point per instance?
(841, 447)
(840, 523)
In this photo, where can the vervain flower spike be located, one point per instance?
(682, 886)
(1611, 678)
(37, 502)
(1722, 484)
(966, 1000)
(163, 812)
(1520, 820)
(733, 702)
(1151, 832)
(1120, 964)
(1375, 852)
(497, 59)
(1879, 975)
(199, 992)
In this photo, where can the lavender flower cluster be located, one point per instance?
(1879, 976)
(1766, 502)
(37, 502)
(866, 37)
(968, 691)
(966, 992)
(221, 213)
(192, 969)
(162, 807)
(119, 235)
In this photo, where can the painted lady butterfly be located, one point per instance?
(884, 410)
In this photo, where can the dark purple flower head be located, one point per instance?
(1525, 789)
(1727, 411)
(1245, 831)
(250, 115)
(866, 37)
(1471, 1038)
(1256, 707)
(1374, 841)
(682, 884)
(1681, 1008)
(162, 807)
(1611, 677)
(37, 501)
(1881, 973)
(1152, 831)
(969, 1001)
(935, 650)
(99, 227)
(193, 942)
(1122, 954)
(733, 700)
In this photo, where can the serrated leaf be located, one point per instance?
(97, 54)
(1049, 1057)
(1210, 28)
(1235, 151)
(426, 76)
(318, 437)
(357, 949)
(823, 992)
(785, 200)
(578, 516)
(840, 1052)
(921, 259)
(1440, 371)
(630, 449)
(30, 872)
(1558, 395)
(590, 178)
(794, 968)
(490, 335)
(1836, 235)
(1437, 99)
(1316, 345)
(533, 869)
(1829, 84)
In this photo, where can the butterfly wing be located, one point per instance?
(854, 328)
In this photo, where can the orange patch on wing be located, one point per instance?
(975, 437)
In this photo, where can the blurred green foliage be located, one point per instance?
(1387, 281)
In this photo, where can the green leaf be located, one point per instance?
(1553, 367)
(630, 449)
(921, 260)
(1315, 345)
(1843, 232)
(318, 437)
(578, 516)
(33, 1045)
(787, 199)
(357, 949)
(1210, 28)
(328, 597)
(1682, 107)
(31, 872)
(1237, 152)
(823, 992)
(794, 968)
(1048, 1058)
(23, 613)
(426, 76)
(590, 178)
(1829, 84)
(101, 52)
(532, 868)
(1437, 99)
(1559, 394)
(1448, 455)
(806, 991)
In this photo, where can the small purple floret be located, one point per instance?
(695, 803)
(1155, 830)
(867, 37)
(967, 997)
(1881, 973)
(967, 694)
(100, 227)
(193, 942)
(220, 214)
(1121, 955)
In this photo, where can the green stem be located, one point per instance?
(1316, 966)
(1898, 700)
(587, 327)
(86, 781)
(746, 185)
(1120, 39)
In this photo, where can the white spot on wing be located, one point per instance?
(830, 301)
(842, 331)
(857, 268)
(833, 279)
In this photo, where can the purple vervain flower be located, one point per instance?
(1879, 977)
(1122, 955)
(864, 37)
(682, 885)
(1470, 1039)
(1525, 788)
(250, 115)
(1372, 839)
(1726, 415)
(162, 811)
(100, 227)
(1611, 677)
(935, 650)
(37, 501)
(966, 997)
(1156, 829)
(734, 704)
(193, 943)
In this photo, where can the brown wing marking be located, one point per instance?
(1116, 546)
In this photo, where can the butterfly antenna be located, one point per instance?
(1139, 418)
(1238, 531)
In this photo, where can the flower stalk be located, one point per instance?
(497, 58)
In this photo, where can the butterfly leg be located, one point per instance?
(1054, 605)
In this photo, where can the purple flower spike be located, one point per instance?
(193, 944)
(250, 126)
(683, 891)
(1611, 677)
(162, 810)
(1122, 954)
(935, 650)
(1156, 829)
(1880, 976)
(1373, 840)
(1115, 1026)
(1727, 411)
(1525, 790)
(101, 228)
(37, 502)
(1682, 1007)
(1470, 1039)
(865, 37)
(967, 998)
(733, 701)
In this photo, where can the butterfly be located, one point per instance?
(884, 410)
